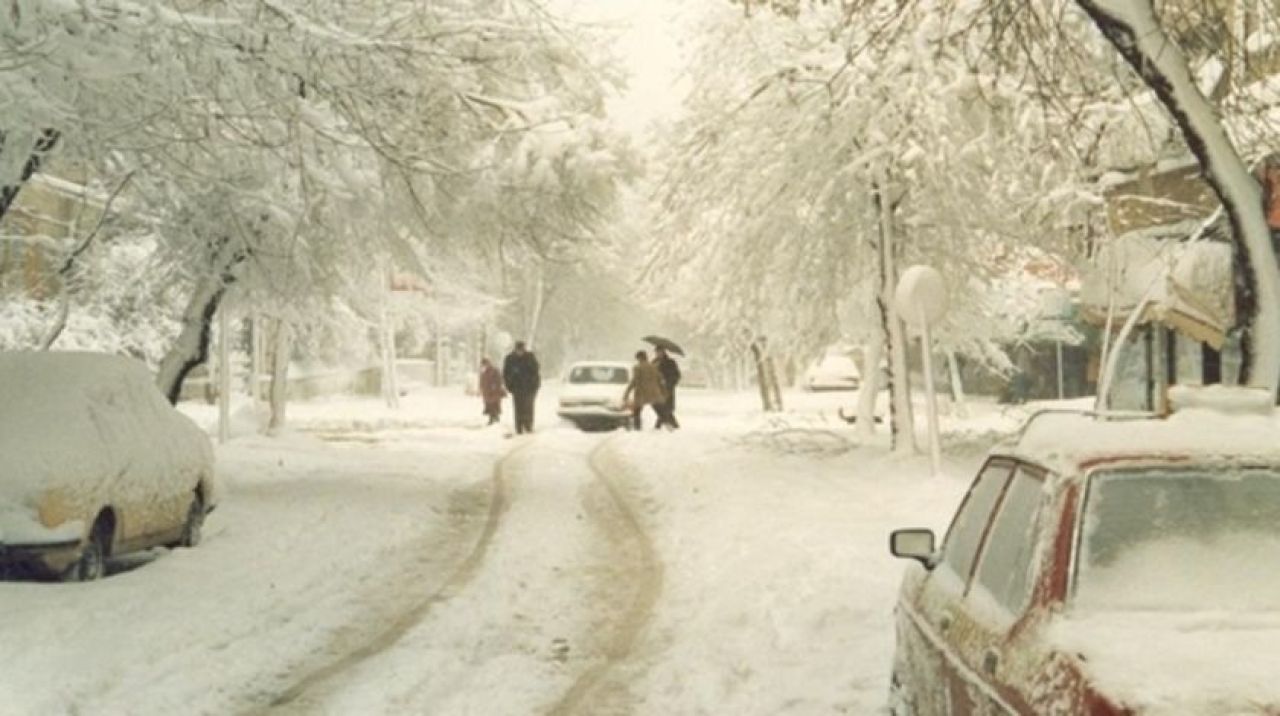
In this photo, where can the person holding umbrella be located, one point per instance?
(670, 372)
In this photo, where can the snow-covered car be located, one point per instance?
(95, 463)
(834, 371)
(1099, 568)
(591, 396)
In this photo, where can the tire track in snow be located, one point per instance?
(648, 577)
(499, 501)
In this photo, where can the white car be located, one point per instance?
(96, 463)
(834, 372)
(592, 395)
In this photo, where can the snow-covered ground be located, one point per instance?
(414, 562)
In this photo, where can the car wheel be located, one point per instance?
(193, 528)
(92, 564)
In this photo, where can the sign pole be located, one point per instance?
(921, 297)
(931, 395)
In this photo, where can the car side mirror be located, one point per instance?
(917, 544)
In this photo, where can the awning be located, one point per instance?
(1187, 284)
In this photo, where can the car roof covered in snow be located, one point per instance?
(71, 417)
(1072, 442)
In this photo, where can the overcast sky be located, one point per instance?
(649, 48)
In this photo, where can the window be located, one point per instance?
(599, 374)
(971, 521)
(1181, 538)
(1009, 555)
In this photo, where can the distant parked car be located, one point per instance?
(834, 371)
(95, 463)
(1101, 568)
(591, 397)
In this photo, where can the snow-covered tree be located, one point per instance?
(847, 143)
(286, 147)
(1205, 67)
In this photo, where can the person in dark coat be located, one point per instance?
(521, 376)
(644, 389)
(491, 390)
(670, 371)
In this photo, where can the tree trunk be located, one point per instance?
(281, 353)
(902, 420)
(775, 390)
(437, 374)
(957, 387)
(224, 374)
(870, 388)
(1131, 26)
(761, 381)
(539, 300)
(256, 349)
(390, 379)
(191, 347)
(766, 378)
(387, 341)
(44, 144)
(59, 321)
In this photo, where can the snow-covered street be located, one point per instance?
(322, 323)
(441, 569)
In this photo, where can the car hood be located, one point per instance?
(1179, 664)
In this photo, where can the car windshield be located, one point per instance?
(1181, 539)
(598, 374)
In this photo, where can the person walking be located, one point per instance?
(644, 389)
(670, 372)
(521, 376)
(491, 390)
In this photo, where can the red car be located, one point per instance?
(1102, 567)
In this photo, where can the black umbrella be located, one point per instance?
(664, 343)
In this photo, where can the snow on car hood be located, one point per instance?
(76, 422)
(1179, 663)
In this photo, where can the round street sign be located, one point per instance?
(921, 295)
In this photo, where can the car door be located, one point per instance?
(1000, 655)
(170, 481)
(113, 486)
(934, 621)
(147, 498)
